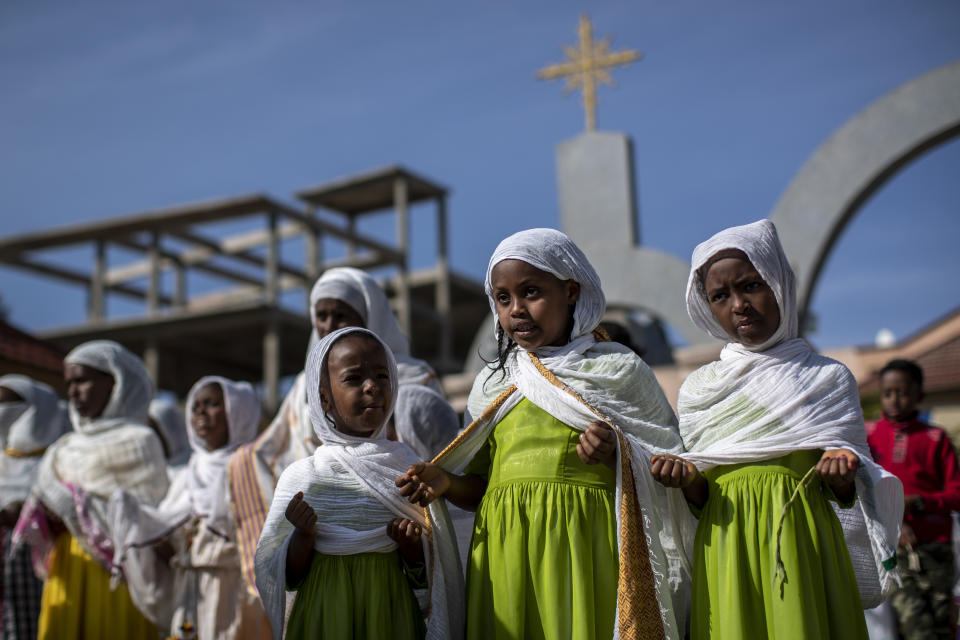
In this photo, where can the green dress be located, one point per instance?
(364, 595)
(543, 559)
(735, 594)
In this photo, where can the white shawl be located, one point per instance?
(254, 472)
(201, 491)
(373, 463)
(579, 383)
(115, 450)
(27, 429)
(207, 470)
(761, 403)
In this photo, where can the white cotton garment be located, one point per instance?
(759, 403)
(207, 470)
(291, 436)
(200, 496)
(115, 450)
(350, 483)
(611, 380)
(27, 428)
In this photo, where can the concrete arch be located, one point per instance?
(859, 158)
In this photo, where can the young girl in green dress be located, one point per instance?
(773, 431)
(572, 538)
(337, 533)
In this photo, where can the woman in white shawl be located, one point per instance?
(110, 448)
(773, 431)
(206, 593)
(31, 419)
(336, 523)
(573, 539)
(342, 297)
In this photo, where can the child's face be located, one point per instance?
(899, 396)
(333, 314)
(533, 307)
(208, 417)
(740, 300)
(357, 392)
(88, 389)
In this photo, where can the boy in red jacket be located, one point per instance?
(926, 463)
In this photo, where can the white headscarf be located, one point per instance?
(27, 428)
(759, 403)
(132, 389)
(359, 290)
(552, 251)
(760, 242)
(290, 436)
(594, 380)
(201, 490)
(372, 463)
(207, 479)
(172, 428)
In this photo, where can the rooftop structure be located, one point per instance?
(214, 279)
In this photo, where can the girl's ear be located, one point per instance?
(573, 291)
(325, 403)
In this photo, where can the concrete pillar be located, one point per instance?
(313, 254)
(271, 364)
(96, 301)
(403, 245)
(151, 359)
(271, 283)
(351, 230)
(153, 287)
(180, 286)
(443, 287)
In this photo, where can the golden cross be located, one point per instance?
(588, 65)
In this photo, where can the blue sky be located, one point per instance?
(113, 108)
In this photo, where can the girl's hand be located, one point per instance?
(406, 533)
(676, 473)
(838, 468)
(301, 515)
(423, 483)
(598, 444)
(673, 471)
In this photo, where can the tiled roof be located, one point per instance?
(21, 348)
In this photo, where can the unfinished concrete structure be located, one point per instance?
(249, 330)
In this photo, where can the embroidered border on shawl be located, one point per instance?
(639, 613)
(473, 426)
(16, 453)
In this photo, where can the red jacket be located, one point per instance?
(926, 463)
